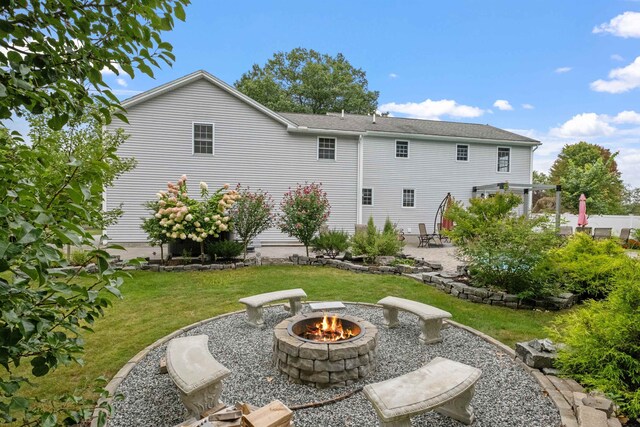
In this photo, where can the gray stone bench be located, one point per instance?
(254, 304)
(441, 385)
(196, 373)
(430, 317)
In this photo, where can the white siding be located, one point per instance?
(432, 170)
(250, 148)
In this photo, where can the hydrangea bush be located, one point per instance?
(185, 218)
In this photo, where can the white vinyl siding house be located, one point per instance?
(201, 127)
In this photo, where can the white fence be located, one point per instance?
(616, 222)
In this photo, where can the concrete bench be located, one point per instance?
(430, 317)
(441, 385)
(254, 304)
(196, 373)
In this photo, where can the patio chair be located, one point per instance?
(625, 235)
(565, 231)
(601, 233)
(425, 237)
(584, 230)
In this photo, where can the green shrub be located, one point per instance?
(225, 249)
(585, 266)
(331, 243)
(371, 243)
(80, 257)
(603, 341)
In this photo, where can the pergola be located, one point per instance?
(525, 188)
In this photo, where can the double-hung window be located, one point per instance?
(203, 138)
(504, 159)
(367, 197)
(462, 153)
(402, 149)
(408, 198)
(326, 148)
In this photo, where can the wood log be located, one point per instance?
(275, 414)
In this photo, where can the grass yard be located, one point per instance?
(156, 304)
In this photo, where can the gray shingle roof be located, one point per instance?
(398, 125)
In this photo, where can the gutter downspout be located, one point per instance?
(360, 179)
(530, 195)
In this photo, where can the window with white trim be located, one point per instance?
(408, 198)
(326, 148)
(462, 153)
(504, 159)
(402, 149)
(367, 197)
(202, 138)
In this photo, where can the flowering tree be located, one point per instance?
(182, 217)
(251, 215)
(304, 211)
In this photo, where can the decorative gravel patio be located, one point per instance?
(506, 395)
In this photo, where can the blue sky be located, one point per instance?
(558, 71)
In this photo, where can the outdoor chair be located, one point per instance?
(625, 235)
(601, 233)
(586, 230)
(425, 237)
(565, 231)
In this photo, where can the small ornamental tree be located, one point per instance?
(304, 211)
(182, 217)
(251, 215)
(156, 233)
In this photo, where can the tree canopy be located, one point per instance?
(590, 169)
(306, 81)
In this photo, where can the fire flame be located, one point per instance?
(329, 330)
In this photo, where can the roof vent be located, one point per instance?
(374, 119)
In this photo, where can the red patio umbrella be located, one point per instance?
(582, 211)
(447, 224)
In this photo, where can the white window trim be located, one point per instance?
(372, 197)
(193, 138)
(395, 147)
(468, 153)
(402, 198)
(335, 149)
(497, 159)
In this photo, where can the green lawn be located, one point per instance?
(156, 304)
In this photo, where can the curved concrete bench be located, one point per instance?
(430, 317)
(254, 304)
(196, 373)
(441, 385)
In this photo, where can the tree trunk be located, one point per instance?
(161, 254)
(307, 248)
(202, 252)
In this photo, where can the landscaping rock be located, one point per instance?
(534, 358)
(589, 417)
(385, 260)
(600, 403)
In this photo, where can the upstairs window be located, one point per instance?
(202, 138)
(408, 198)
(462, 153)
(402, 149)
(327, 148)
(504, 159)
(367, 197)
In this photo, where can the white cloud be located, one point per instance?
(528, 106)
(620, 79)
(617, 57)
(393, 76)
(626, 25)
(433, 110)
(503, 104)
(106, 71)
(628, 160)
(584, 125)
(561, 70)
(122, 82)
(627, 117)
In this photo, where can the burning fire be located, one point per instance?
(329, 330)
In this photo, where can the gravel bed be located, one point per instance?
(505, 394)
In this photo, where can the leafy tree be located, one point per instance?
(631, 201)
(156, 233)
(52, 52)
(251, 215)
(51, 57)
(306, 81)
(578, 170)
(304, 211)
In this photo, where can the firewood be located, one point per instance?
(213, 410)
(275, 414)
(226, 414)
(163, 365)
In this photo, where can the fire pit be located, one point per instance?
(325, 350)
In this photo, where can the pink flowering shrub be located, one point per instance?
(251, 215)
(181, 217)
(304, 210)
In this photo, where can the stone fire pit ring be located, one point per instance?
(323, 364)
